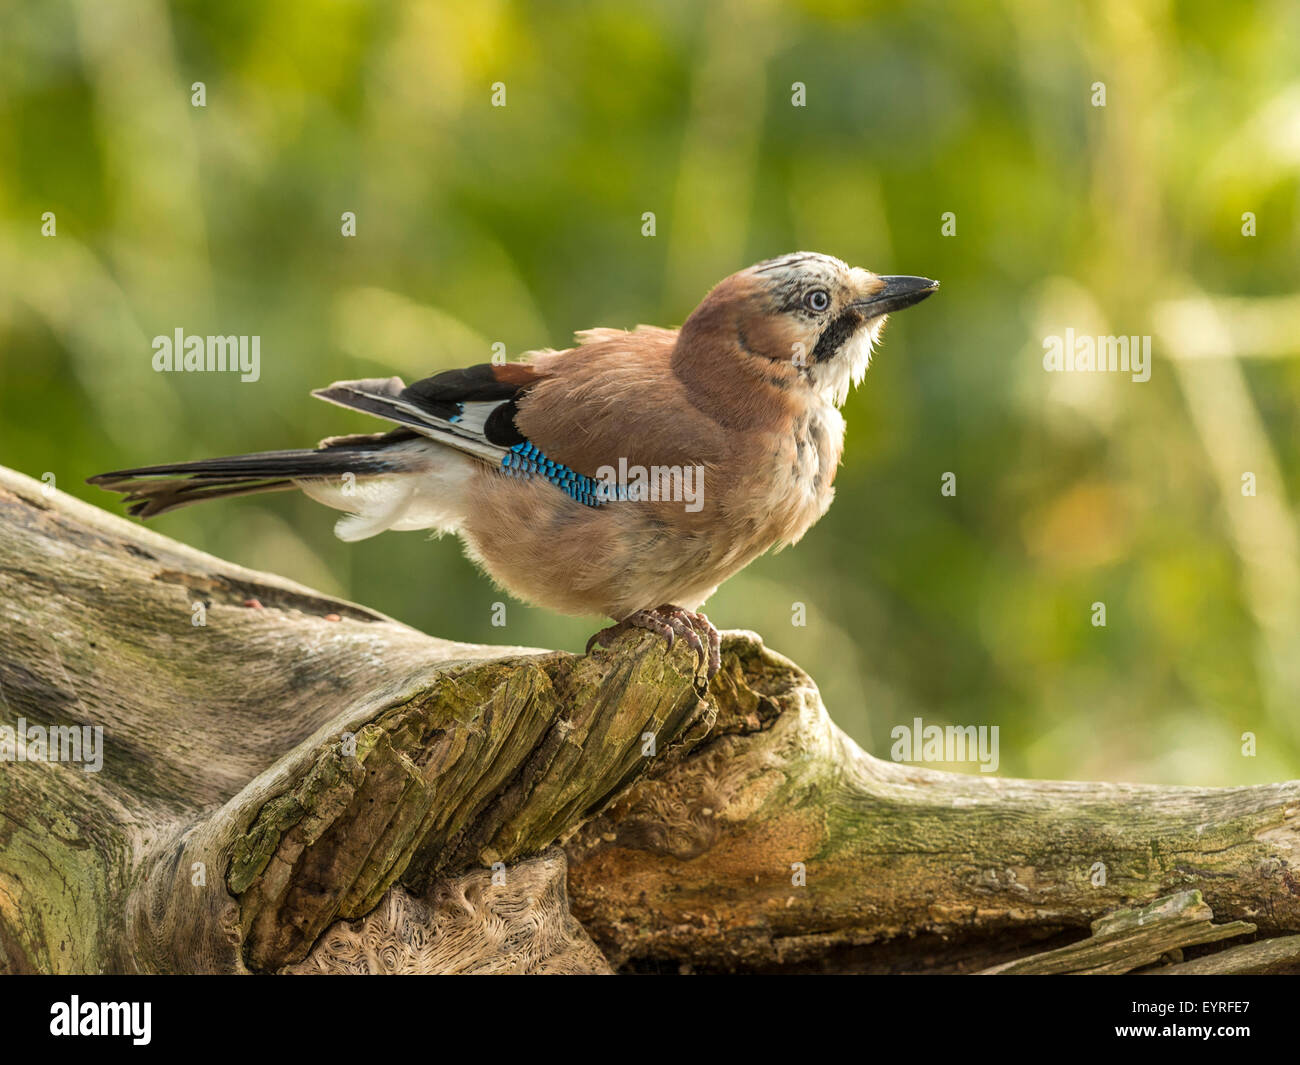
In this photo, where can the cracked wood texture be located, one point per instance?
(282, 792)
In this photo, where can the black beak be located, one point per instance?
(900, 291)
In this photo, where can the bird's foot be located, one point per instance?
(670, 622)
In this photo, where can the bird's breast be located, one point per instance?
(818, 442)
(788, 485)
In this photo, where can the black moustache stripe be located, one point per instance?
(835, 335)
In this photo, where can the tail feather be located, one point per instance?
(469, 412)
(152, 490)
(148, 499)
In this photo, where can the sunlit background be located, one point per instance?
(520, 224)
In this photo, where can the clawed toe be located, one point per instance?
(670, 622)
(715, 645)
(682, 623)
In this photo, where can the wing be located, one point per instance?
(471, 410)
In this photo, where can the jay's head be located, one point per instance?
(804, 318)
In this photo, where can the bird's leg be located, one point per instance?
(670, 622)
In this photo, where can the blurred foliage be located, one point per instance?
(522, 224)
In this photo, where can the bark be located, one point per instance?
(300, 784)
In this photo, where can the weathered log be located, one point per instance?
(281, 791)
(271, 771)
(906, 868)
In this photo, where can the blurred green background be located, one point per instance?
(518, 225)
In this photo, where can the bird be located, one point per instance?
(628, 475)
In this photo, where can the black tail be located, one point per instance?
(154, 490)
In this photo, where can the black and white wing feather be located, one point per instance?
(471, 410)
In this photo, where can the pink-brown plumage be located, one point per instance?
(747, 392)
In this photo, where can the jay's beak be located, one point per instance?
(900, 291)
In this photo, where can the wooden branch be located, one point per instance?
(906, 868)
(1268, 956)
(1129, 939)
(310, 786)
(271, 771)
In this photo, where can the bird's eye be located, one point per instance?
(817, 300)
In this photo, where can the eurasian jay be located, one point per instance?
(629, 475)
